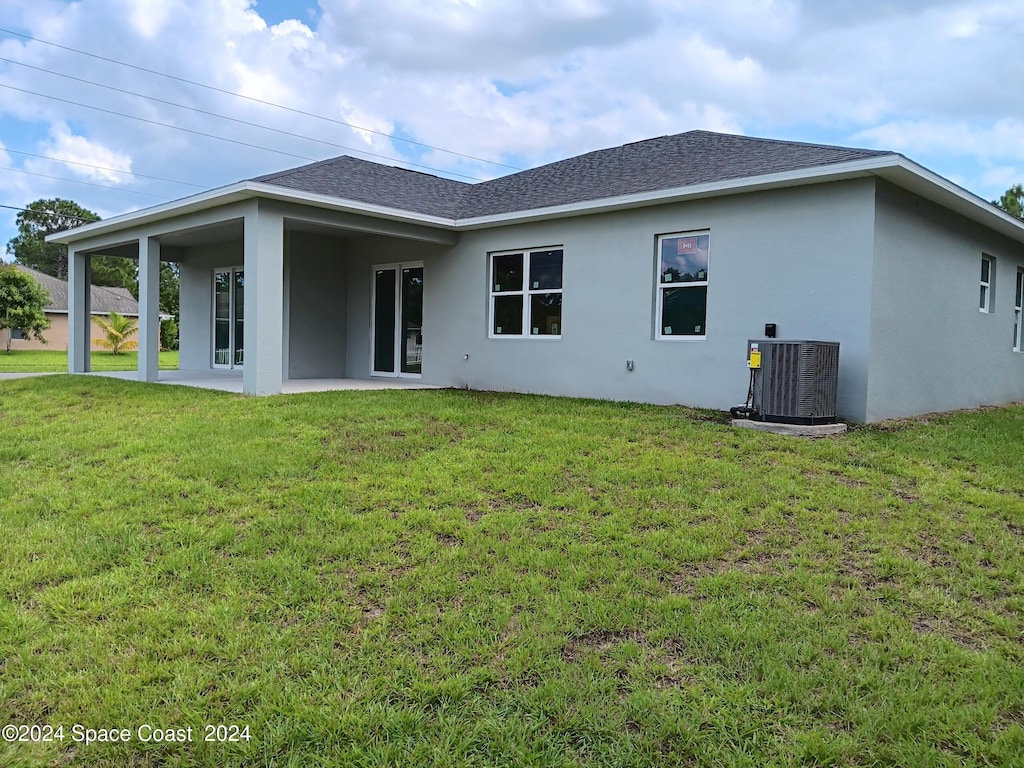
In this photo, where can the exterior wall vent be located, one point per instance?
(797, 381)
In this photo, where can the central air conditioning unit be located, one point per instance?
(794, 382)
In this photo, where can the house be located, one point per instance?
(670, 253)
(103, 301)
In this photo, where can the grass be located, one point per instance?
(53, 361)
(455, 578)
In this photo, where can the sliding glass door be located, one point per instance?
(228, 317)
(397, 320)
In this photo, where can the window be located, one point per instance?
(18, 333)
(683, 285)
(526, 294)
(1018, 320)
(988, 269)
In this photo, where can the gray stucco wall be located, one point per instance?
(890, 276)
(317, 299)
(931, 347)
(195, 332)
(362, 255)
(799, 257)
(316, 296)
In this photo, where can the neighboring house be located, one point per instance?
(670, 253)
(103, 300)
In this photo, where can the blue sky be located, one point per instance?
(508, 83)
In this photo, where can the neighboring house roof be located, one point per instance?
(102, 301)
(685, 166)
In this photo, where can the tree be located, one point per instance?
(169, 334)
(42, 218)
(22, 303)
(46, 217)
(117, 328)
(169, 288)
(1012, 201)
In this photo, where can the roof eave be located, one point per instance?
(342, 205)
(192, 204)
(919, 180)
(234, 193)
(894, 168)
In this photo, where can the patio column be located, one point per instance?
(79, 332)
(263, 334)
(149, 308)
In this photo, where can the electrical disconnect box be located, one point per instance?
(794, 382)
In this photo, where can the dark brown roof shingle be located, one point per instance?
(667, 162)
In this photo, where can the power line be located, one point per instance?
(102, 168)
(153, 122)
(260, 101)
(202, 133)
(63, 215)
(226, 117)
(86, 183)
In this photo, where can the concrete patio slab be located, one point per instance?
(231, 381)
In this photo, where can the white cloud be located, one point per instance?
(961, 138)
(148, 17)
(522, 82)
(86, 158)
(1002, 177)
(497, 37)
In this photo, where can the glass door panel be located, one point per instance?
(397, 318)
(412, 320)
(238, 316)
(228, 317)
(222, 318)
(384, 320)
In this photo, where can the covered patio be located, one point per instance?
(231, 381)
(275, 297)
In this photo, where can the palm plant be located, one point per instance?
(117, 328)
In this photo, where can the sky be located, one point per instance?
(473, 89)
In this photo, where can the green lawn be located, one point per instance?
(451, 578)
(48, 360)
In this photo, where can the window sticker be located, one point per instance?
(686, 245)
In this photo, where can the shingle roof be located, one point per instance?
(102, 299)
(667, 162)
(352, 179)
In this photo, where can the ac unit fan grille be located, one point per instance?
(797, 381)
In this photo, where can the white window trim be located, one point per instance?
(986, 285)
(660, 287)
(526, 292)
(1018, 311)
